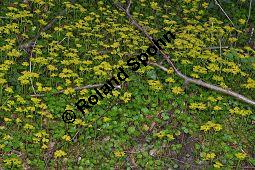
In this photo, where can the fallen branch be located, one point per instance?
(76, 89)
(217, 3)
(186, 78)
(249, 13)
(214, 48)
(210, 86)
(32, 42)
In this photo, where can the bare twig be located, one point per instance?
(31, 43)
(6, 101)
(128, 6)
(30, 69)
(214, 48)
(249, 15)
(210, 86)
(217, 3)
(77, 89)
(252, 31)
(220, 46)
(186, 79)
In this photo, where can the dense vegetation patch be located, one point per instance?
(50, 50)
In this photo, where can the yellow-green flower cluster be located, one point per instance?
(208, 156)
(199, 106)
(155, 84)
(250, 84)
(12, 162)
(42, 137)
(163, 134)
(239, 111)
(241, 156)
(119, 153)
(210, 125)
(59, 154)
(126, 97)
(177, 90)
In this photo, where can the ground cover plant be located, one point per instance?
(53, 53)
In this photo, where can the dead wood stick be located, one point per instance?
(186, 78)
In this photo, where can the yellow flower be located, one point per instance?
(213, 67)
(217, 164)
(170, 70)
(59, 153)
(18, 120)
(9, 90)
(45, 140)
(59, 88)
(51, 67)
(194, 75)
(160, 134)
(208, 156)
(155, 84)
(66, 138)
(20, 99)
(44, 146)
(217, 108)
(69, 34)
(14, 53)
(2, 146)
(28, 126)
(209, 125)
(126, 97)
(7, 137)
(232, 39)
(154, 5)
(2, 81)
(170, 136)
(250, 84)
(12, 162)
(119, 153)
(239, 111)
(242, 21)
(205, 5)
(200, 69)
(69, 90)
(25, 64)
(115, 93)
(170, 80)
(6, 119)
(106, 119)
(79, 122)
(240, 156)
(219, 98)
(212, 99)
(200, 106)
(42, 22)
(217, 127)
(177, 90)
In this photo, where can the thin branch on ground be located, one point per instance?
(31, 43)
(186, 79)
(210, 86)
(30, 69)
(128, 6)
(220, 47)
(214, 48)
(217, 3)
(76, 89)
(252, 31)
(249, 15)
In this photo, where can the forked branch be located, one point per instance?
(166, 57)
